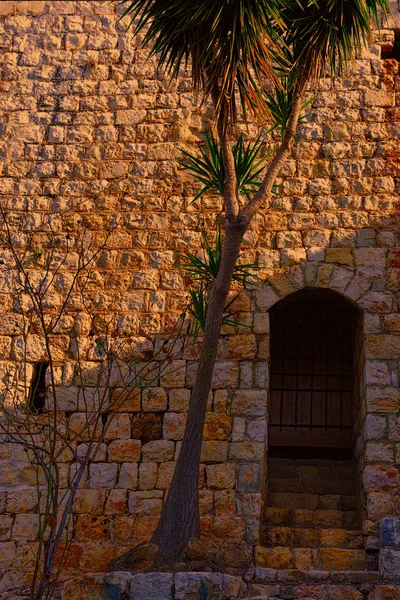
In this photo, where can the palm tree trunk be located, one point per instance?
(180, 517)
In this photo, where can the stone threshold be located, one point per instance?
(258, 583)
(314, 576)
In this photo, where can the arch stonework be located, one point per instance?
(378, 394)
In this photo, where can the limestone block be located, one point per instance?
(389, 533)
(226, 375)
(340, 559)
(378, 302)
(290, 257)
(103, 475)
(229, 528)
(273, 558)
(128, 476)
(385, 399)
(385, 592)
(179, 400)
(89, 501)
(174, 426)
(173, 375)
(164, 475)
(249, 403)
(380, 477)
(126, 400)
(147, 427)
(145, 504)
(158, 451)
(221, 400)
(220, 476)
(225, 502)
(214, 451)
(288, 239)
(389, 563)
(6, 524)
(394, 427)
(266, 297)
(25, 527)
(383, 346)
(251, 505)
(21, 500)
(374, 427)
(370, 261)
(218, 426)
(116, 502)
(379, 452)
(147, 476)
(120, 428)
(101, 452)
(91, 586)
(249, 479)
(265, 575)
(248, 451)
(124, 451)
(257, 430)
(241, 346)
(154, 399)
(7, 554)
(88, 527)
(377, 372)
(379, 505)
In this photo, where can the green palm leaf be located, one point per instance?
(231, 45)
(208, 168)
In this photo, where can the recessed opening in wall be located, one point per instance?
(390, 51)
(312, 375)
(316, 413)
(37, 390)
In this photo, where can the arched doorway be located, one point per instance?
(312, 374)
(312, 505)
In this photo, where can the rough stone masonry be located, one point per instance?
(90, 131)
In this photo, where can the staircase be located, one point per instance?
(311, 521)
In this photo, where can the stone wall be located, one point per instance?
(91, 131)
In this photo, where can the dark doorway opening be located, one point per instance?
(312, 376)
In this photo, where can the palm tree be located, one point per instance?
(232, 46)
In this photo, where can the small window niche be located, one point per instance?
(37, 390)
(392, 50)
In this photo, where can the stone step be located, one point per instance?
(310, 469)
(305, 559)
(343, 487)
(317, 519)
(313, 576)
(302, 537)
(295, 500)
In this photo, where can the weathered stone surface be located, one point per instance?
(342, 560)
(124, 451)
(92, 587)
(196, 550)
(140, 557)
(221, 476)
(236, 556)
(389, 533)
(385, 592)
(151, 586)
(273, 558)
(389, 563)
(147, 427)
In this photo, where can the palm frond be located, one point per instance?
(208, 168)
(326, 34)
(231, 45)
